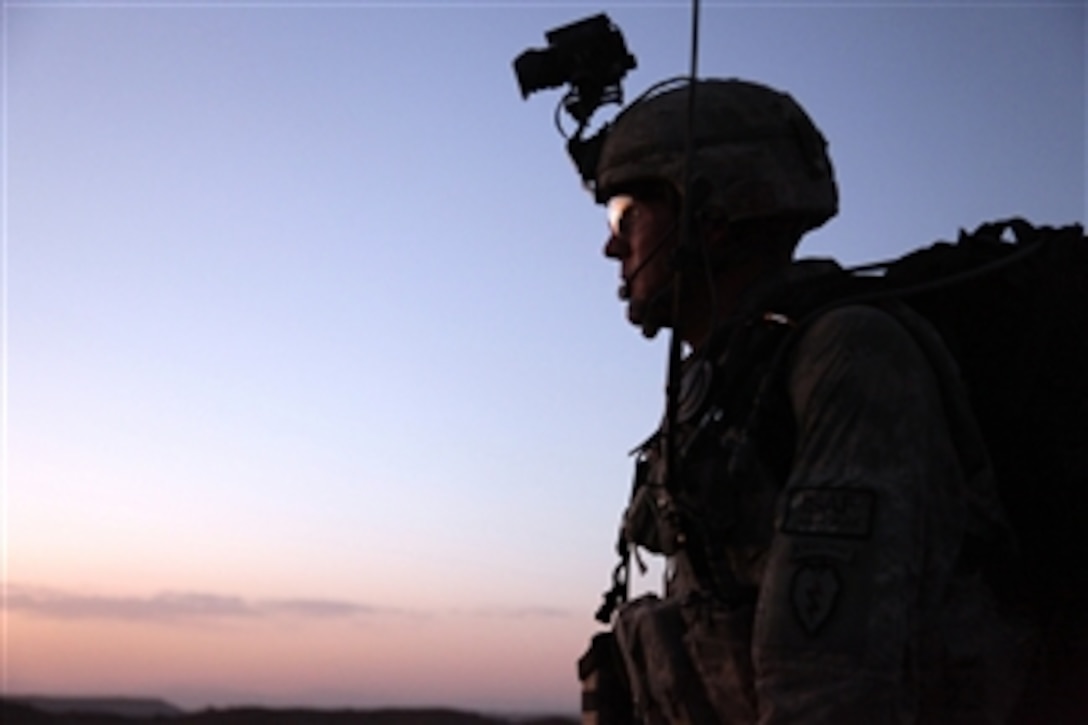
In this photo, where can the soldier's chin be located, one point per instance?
(649, 318)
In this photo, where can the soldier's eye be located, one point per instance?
(622, 211)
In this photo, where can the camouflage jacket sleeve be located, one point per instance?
(862, 587)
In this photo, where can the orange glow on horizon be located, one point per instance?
(453, 660)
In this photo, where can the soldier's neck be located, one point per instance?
(709, 302)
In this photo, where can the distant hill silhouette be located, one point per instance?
(76, 711)
(139, 707)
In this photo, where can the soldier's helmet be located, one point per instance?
(756, 152)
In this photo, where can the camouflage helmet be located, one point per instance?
(756, 147)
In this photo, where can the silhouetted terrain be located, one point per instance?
(133, 707)
(16, 712)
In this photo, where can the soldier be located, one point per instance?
(830, 521)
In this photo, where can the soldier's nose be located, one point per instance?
(614, 247)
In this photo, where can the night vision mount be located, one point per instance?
(590, 56)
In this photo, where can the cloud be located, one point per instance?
(174, 606)
(180, 607)
(321, 608)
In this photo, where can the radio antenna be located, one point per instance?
(683, 256)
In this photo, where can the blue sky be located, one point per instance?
(309, 342)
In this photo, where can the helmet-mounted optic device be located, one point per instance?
(591, 56)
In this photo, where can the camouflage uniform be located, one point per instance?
(842, 578)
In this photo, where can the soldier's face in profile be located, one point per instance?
(642, 235)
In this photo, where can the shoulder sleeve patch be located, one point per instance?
(839, 513)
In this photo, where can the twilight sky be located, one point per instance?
(316, 387)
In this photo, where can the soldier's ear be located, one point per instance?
(767, 241)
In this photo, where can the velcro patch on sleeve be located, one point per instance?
(836, 512)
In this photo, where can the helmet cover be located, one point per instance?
(756, 150)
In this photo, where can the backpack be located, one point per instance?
(1014, 315)
(1010, 301)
